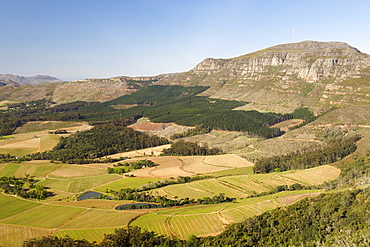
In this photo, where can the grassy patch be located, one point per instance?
(47, 125)
(48, 142)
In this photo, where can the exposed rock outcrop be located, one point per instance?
(311, 73)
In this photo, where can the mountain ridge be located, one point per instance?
(308, 73)
(280, 78)
(19, 80)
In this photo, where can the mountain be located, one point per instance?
(282, 77)
(86, 90)
(17, 80)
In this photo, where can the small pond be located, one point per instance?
(137, 206)
(90, 195)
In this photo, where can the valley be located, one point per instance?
(249, 150)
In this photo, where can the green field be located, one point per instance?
(9, 170)
(207, 219)
(88, 234)
(47, 125)
(97, 218)
(240, 186)
(153, 222)
(126, 183)
(11, 205)
(19, 170)
(45, 216)
(78, 185)
(184, 226)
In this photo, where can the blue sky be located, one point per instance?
(76, 39)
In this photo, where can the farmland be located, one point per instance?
(228, 174)
(35, 137)
(91, 219)
(240, 186)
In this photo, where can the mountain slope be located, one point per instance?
(16, 79)
(310, 73)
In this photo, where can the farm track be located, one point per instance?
(187, 184)
(167, 223)
(223, 220)
(182, 166)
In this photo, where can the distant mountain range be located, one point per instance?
(16, 80)
(280, 78)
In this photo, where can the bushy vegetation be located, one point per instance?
(104, 139)
(9, 158)
(169, 181)
(198, 130)
(120, 168)
(24, 187)
(335, 150)
(353, 174)
(190, 148)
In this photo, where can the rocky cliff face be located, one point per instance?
(315, 74)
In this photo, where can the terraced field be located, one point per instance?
(240, 186)
(203, 220)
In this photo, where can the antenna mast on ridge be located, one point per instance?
(293, 36)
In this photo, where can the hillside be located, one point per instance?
(279, 78)
(82, 90)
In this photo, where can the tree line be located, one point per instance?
(24, 187)
(184, 148)
(198, 130)
(102, 140)
(120, 168)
